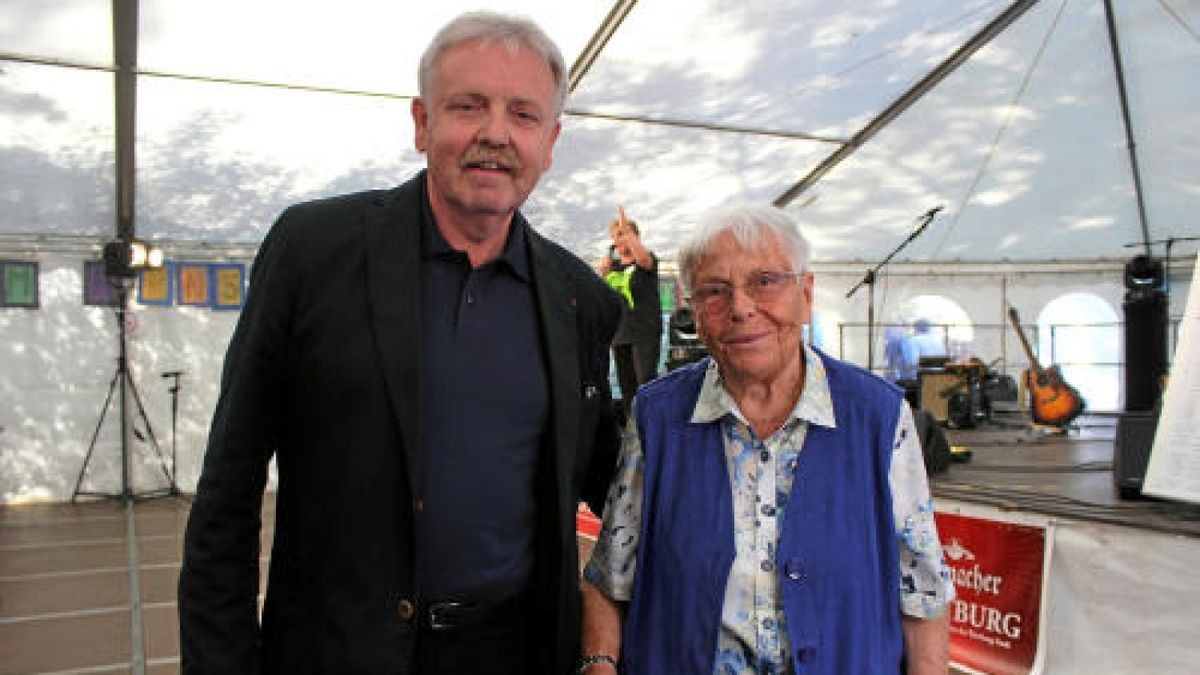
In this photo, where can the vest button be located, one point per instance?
(405, 609)
(794, 569)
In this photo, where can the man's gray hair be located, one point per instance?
(755, 227)
(511, 31)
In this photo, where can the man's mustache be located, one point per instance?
(502, 157)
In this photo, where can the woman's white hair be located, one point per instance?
(754, 227)
(510, 31)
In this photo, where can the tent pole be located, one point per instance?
(604, 32)
(1119, 72)
(125, 26)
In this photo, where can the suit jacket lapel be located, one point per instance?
(393, 238)
(555, 291)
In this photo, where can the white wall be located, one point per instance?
(59, 361)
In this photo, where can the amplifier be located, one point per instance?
(1131, 451)
(936, 389)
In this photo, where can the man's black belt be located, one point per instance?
(455, 615)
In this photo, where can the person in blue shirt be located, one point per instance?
(924, 342)
(900, 355)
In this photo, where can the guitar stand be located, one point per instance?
(1053, 402)
(1052, 429)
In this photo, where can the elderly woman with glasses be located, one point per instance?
(770, 513)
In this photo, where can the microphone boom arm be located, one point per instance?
(869, 281)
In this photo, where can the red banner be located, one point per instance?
(998, 569)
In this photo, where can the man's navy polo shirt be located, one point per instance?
(487, 409)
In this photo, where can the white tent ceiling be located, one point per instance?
(244, 107)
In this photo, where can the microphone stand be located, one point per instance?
(174, 376)
(869, 281)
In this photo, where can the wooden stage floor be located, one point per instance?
(1014, 466)
(86, 587)
(90, 588)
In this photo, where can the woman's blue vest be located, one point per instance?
(837, 557)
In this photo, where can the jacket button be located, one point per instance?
(405, 609)
(805, 654)
(794, 569)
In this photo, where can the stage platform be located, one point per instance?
(90, 588)
(1017, 467)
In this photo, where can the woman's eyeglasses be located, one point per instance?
(762, 287)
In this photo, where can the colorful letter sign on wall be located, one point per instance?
(155, 287)
(18, 284)
(195, 287)
(996, 620)
(229, 282)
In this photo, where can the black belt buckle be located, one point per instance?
(451, 615)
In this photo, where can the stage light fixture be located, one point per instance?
(155, 257)
(123, 258)
(1144, 273)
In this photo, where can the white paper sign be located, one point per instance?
(1174, 467)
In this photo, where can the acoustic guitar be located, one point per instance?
(1051, 400)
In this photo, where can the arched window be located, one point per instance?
(1080, 333)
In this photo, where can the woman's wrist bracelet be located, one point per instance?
(587, 662)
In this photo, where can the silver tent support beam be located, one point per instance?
(591, 51)
(908, 98)
(125, 40)
(1119, 72)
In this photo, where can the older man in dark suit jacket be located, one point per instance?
(431, 375)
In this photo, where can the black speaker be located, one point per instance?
(1131, 451)
(1146, 326)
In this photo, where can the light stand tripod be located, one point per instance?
(123, 378)
(869, 280)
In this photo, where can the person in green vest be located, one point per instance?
(631, 270)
